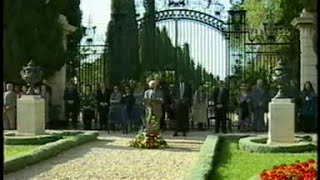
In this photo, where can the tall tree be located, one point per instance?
(32, 31)
(122, 52)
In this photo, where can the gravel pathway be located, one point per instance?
(110, 157)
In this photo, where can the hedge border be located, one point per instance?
(247, 144)
(48, 150)
(34, 140)
(201, 169)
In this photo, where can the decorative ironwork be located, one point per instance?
(31, 74)
(189, 15)
(176, 3)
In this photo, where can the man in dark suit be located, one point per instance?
(103, 104)
(221, 100)
(166, 102)
(183, 102)
(72, 103)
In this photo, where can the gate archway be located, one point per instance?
(205, 37)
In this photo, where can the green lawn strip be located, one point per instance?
(13, 151)
(232, 163)
(48, 150)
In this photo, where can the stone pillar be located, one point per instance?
(281, 121)
(58, 80)
(308, 69)
(31, 115)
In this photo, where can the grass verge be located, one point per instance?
(45, 151)
(13, 151)
(232, 163)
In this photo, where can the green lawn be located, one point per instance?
(232, 163)
(12, 151)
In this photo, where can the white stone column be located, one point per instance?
(308, 69)
(58, 80)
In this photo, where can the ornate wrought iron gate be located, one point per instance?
(217, 47)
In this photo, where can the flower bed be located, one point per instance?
(301, 171)
(149, 140)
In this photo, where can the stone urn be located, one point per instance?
(31, 74)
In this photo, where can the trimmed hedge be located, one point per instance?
(256, 144)
(48, 150)
(203, 166)
(25, 140)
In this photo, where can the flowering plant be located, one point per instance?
(301, 171)
(149, 140)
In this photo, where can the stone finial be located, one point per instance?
(65, 24)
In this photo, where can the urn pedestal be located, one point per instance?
(31, 115)
(281, 125)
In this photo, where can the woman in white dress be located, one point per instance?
(200, 108)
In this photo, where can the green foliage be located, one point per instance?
(32, 31)
(122, 41)
(25, 140)
(12, 151)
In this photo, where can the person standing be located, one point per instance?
(294, 94)
(260, 97)
(24, 90)
(221, 101)
(103, 104)
(200, 108)
(72, 102)
(128, 100)
(183, 102)
(9, 107)
(308, 108)
(138, 109)
(166, 100)
(244, 108)
(17, 90)
(116, 112)
(87, 107)
(154, 93)
(47, 97)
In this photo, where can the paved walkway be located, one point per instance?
(110, 157)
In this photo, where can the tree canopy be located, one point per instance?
(32, 31)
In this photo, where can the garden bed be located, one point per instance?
(232, 163)
(31, 154)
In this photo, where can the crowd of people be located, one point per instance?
(12, 92)
(125, 108)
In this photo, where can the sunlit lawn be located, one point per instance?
(12, 151)
(232, 163)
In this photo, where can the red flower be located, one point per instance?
(301, 171)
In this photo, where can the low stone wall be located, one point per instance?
(203, 166)
(48, 150)
(258, 144)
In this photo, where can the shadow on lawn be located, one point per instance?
(223, 154)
